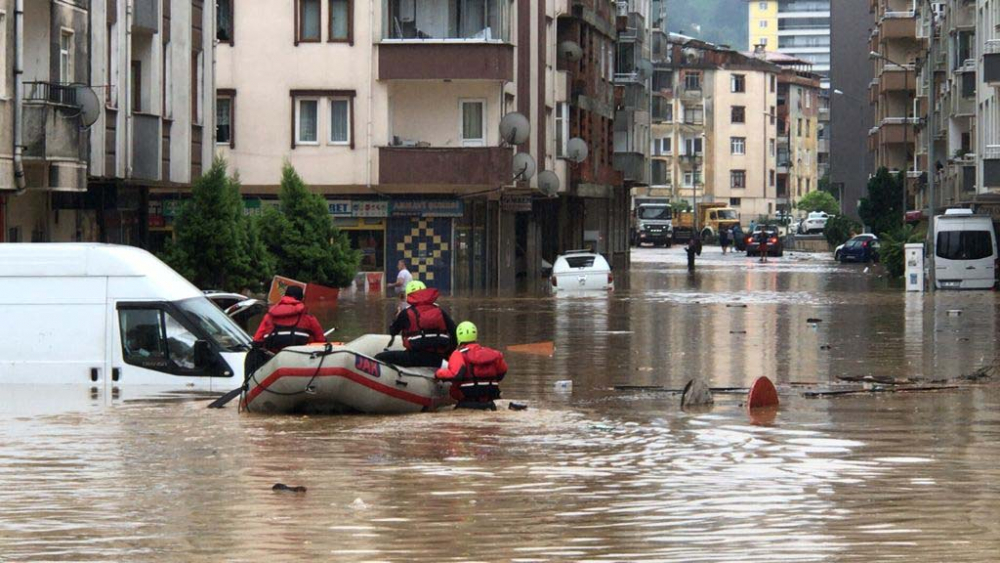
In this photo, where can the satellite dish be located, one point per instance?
(514, 128)
(577, 150)
(691, 55)
(645, 68)
(570, 51)
(548, 183)
(90, 104)
(524, 166)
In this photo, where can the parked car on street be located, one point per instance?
(581, 270)
(774, 244)
(862, 248)
(814, 223)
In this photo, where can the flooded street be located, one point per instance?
(589, 474)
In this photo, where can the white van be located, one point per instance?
(965, 250)
(109, 317)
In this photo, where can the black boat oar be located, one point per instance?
(224, 400)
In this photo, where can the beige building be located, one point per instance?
(717, 137)
(391, 109)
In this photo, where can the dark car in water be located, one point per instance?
(739, 239)
(862, 248)
(765, 235)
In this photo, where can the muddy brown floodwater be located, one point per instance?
(592, 474)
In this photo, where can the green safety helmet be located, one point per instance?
(466, 333)
(414, 286)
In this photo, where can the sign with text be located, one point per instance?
(426, 208)
(516, 203)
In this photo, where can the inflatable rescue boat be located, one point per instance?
(340, 379)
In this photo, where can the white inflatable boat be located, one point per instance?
(342, 379)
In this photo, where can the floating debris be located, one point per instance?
(762, 394)
(359, 504)
(737, 332)
(283, 488)
(878, 389)
(517, 406)
(824, 347)
(954, 312)
(813, 321)
(535, 349)
(737, 305)
(564, 385)
(696, 394)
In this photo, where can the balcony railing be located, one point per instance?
(50, 92)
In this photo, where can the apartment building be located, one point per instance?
(798, 122)
(717, 139)
(987, 137)
(851, 161)
(632, 76)
(798, 28)
(391, 109)
(43, 144)
(114, 105)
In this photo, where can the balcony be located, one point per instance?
(472, 168)
(433, 41)
(898, 25)
(991, 62)
(897, 79)
(146, 141)
(55, 146)
(146, 16)
(898, 130)
(633, 165)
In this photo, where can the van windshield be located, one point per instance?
(964, 245)
(215, 323)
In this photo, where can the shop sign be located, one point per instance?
(370, 208)
(171, 207)
(340, 207)
(426, 208)
(516, 203)
(991, 209)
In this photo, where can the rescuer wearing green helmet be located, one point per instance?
(475, 371)
(427, 330)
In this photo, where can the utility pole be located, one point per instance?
(931, 159)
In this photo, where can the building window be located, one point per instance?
(738, 145)
(739, 114)
(197, 86)
(737, 83)
(168, 81)
(666, 145)
(111, 95)
(770, 143)
(669, 115)
(772, 115)
(693, 146)
(799, 133)
(692, 179)
(308, 22)
(808, 184)
(307, 121)
(340, 121)
(562, 128)
(472, 127)
(224, 21)
(225, 118)
(808, 100)
(136, 86)
(734, 202)
(808, 128)
(66, 57)
(763, 24)
(342, 21)
(738, 179)
(694, 115)
(774, 82)
(770, 178)
(692, 81)
(659, 170)
(762, 5)
(3, 56)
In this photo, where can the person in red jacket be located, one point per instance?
(427, 330)
(289, 324)
(475, 371)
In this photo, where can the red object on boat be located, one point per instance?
(762, 394)
(316, 296)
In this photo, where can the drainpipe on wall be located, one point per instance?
(371, 95)
(19, 183)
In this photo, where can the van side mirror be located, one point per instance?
(202, 354)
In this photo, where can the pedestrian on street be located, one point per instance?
(763, 245)
(725, 235)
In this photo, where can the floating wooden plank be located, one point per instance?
(876, 390)
(547, 349)
(762, 394)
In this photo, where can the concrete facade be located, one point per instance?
(851, 160)
(797, 28)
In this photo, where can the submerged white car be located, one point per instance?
(582, 270)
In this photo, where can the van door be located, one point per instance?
(155, 347)
(966, 255)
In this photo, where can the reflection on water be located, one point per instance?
(589, 475)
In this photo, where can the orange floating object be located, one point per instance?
(762, 394)
(537, 349)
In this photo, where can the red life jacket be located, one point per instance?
(485, 368)
(426, 330)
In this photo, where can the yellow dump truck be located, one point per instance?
(711, 218)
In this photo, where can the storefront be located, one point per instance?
(364, 223)
(421, 233)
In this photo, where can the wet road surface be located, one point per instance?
(591, 474)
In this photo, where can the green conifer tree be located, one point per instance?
(216, 246)
(302, 238)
